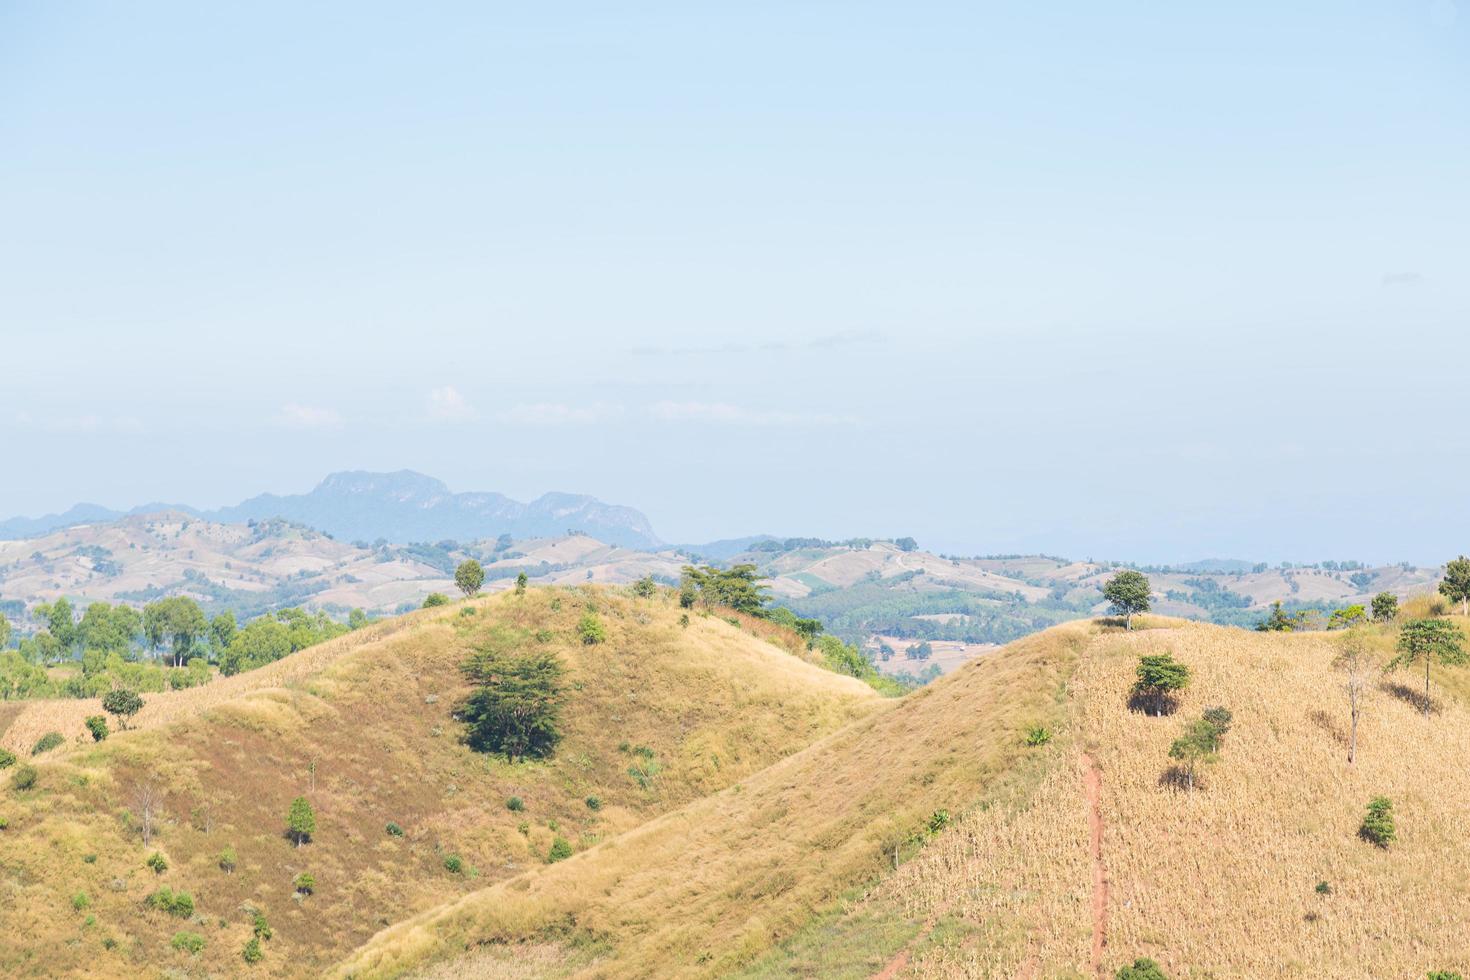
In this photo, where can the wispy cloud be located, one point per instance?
(117, 424)
(722, 413)
(1402, 278)
(558, 413)
(295, 416)
(446, 404)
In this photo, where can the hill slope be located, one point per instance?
(1065, 861)
(362, 726)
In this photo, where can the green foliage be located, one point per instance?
(516, 705)
(1323, 888)
(1159, 678)
(228, 861)
(1281, 621)
(645, 587)
(157, 862)
(80, 901)
(1444, 975)
(1429, 640)
(469, 576)
(268, 638)
(97, 725)
(252, 952)
(122, 703)
(521, 581)
(301, 820)
(24, 778)
(1456, 584)
(7, 758)
(48, 742)
(435, 599)
(222, 631)
(1385, 607)
(188, 942)
(357, 619)
(734, 587)
(1378, 827)
(938, 821)
(1038, 735)
(1200, 743)
(515, 804)
(453, 863)
(176, 621)
(590, 629)
(180, 904)
(259, 927)
(594, 803)
(1347, 617)
(304, 883)
(560, 851)
(1127, 593)
(1143, 968)
(393, 830)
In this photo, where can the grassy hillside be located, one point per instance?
(657, 716)
(1067, 860)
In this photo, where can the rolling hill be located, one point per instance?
(1067, 859)
(658, 715)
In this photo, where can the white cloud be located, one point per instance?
(295, 416)
(721, 413)
(446, 404)
(557, 413)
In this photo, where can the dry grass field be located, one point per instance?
(362, 726)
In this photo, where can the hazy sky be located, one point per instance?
(1161, 282)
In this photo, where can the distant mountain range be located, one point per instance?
(402, 506)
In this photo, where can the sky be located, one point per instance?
(1153, 282)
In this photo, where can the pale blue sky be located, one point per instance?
(1156, 282)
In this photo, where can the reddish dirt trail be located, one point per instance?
(1092, 783)
(900, 959)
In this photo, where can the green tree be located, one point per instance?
(1347, 617)
(61, 623)
(1127, 593)
(107, 629)
(301, 820)
(222, 629)
(357, 619)
(1426, 640)
(262, 641)
(645, 587)
(590, 629)
(1159, 678)
(435, 599)
(1378, 826)
(4, 631)
(97, 725)
(521, 581)
(122, 704)
(1200, 743)
(469, 576)
(516, 705)
(1456, 583)
(1281, 621)
(176, 621)
(1385, 607)
(736, 587)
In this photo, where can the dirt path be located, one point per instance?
(1092, 783)
(900, 959)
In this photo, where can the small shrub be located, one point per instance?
(304, 883)
(25, 777)
(1143, 968)
(1444, 975)
(560, 851)
(684, 620)
(89, 859)
(552, 825)
(109, 944)
(7, 758)
(4, 823)
(645, 587)
(260, 927)
(1323, 888)
(524, 828)
(47, 742)
(515, 804)
(393, 829)
(157, 862)
(252, 952)
(938, 820)
(97, 725)
(227, 860)
(1378, 828)
(594, 803)
(188, 942)
(467, 611)
(1038, 735)
(435, 599)
(180, 904)
(590, 629)
(80, 901)
(453, 863)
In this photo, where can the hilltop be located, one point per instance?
(929, 839)
(659, 714)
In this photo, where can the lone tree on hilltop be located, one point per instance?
(301, 820)
(1128, 592)
(1159, 677)
(469, 576)
(521, 581)
(1385, 607)
(122, 704)
(1456, 584)
(1427, 639)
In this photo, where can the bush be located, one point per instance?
(167, 900)
(89, 858)
(157, 862)
(594, 803)
(260, 927)
(97, 725)
(1038, 735)
(47, 742)
(938, 820)
(227, 860)
(645, 587)
(1378, 825)
(1444, 975)
(393, 829)
(1143, 968)
(1323, 888)
(252, 952)
(590, 629)
(453, 863)
(189, 942)
(25, 778)
(7, 758)
(435, 599)
(80, 901)
(515, 804)
(304, 884)
(560, 851)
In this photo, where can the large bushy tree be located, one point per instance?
(1159, 678)
(1456, 583)
(1127, 593)
(516, 705)
(1428, 640)
(469, 576)
(736, 587)
(176, 621)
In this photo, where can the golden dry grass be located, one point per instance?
(708, 888)
(362, 727)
